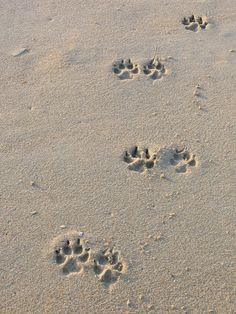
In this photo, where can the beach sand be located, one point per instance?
(117, 186)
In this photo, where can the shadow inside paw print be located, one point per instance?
(154, 69)
(108, 266)
(125, 70)
(194, 23)
(139, 159)
(70, 255)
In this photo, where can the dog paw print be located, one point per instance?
(194, 23)
(139, 159)
(182, 160)
(154, 69)
(125, 69)
(71, 255)
(108, 266)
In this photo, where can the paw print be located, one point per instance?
(125, 70)
(181, 159)
(154, 69)
(71, 256)
(194, 23)
(108, 266)
(139, 159)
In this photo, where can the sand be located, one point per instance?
(117, 187)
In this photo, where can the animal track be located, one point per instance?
(139, 159)
(71, 255)
(142, 159)
(181, 159)
(108, 266)
(154, 69)
(194, 23)
(125, 69)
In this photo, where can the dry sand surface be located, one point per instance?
(117, 177)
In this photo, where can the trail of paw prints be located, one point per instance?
(154, 69)
(139, 159)
(108, 266)
(71, 255)
(125, 69)
(194, 23)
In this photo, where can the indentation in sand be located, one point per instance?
(19, 52)
(108, 266)
(154, 69)
(125, 69)
(70, 253)
(143, 159)
(195, 23)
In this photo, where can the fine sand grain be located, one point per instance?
(117, 156)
